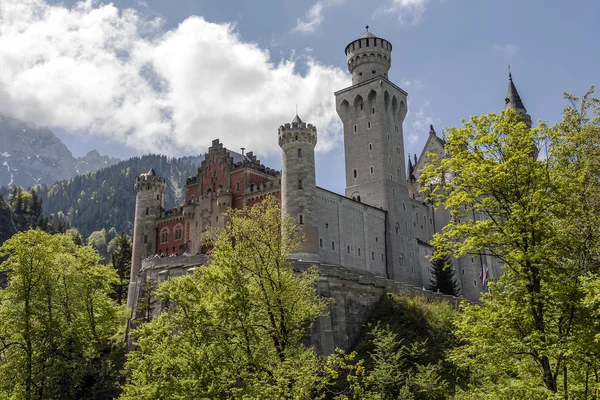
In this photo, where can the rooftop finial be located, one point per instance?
(242, 149)
(509, 73)
(367, 28)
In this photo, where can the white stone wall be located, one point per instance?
(350, 233)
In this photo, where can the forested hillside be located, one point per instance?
(106, 199)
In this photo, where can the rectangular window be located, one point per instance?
(237, 186)
(147, 210)
(145, 239)
(301, 219)
(355, 129)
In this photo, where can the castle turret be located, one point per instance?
(150, 199)
(368, 57)
(513, 101)
(298, 184)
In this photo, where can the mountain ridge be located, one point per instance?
(32, 155)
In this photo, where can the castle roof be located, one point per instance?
(367, 34)
(297, 120)
(151, 172)
(237, 157)
(513, 100)
(439, 139)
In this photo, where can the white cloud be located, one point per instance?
(407, 84)
(408, 11)
(419, 122)
(507, 50)
(314, 16)
(95, 69)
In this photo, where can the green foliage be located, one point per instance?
(58, 325)
(235, 328)
(532, 337)
(403, 351)
(121, 263)
(443, 277)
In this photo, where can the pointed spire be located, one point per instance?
(415, 159)
(151, 172)
(296, 120)
(513, 100)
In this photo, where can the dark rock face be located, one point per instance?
(31, 155)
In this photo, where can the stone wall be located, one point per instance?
(354, 292)
(350, 233)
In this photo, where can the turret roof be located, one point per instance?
(367, 34)
(151, 172)
(297, 120)
(513, 100)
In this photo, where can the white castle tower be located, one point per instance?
(298, 183)
(150, 200)
(372, 111)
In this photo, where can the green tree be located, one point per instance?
(540, 218)
(57, 321)
(121, 262)
(236, 327)
(443, 277)
(97, 240)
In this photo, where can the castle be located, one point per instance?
(381, 228)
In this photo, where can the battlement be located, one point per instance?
(149, 181)
(267, 187)
(367, 57)
(297, 131)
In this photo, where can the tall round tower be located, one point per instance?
(298, 184)
(150, 199)
(368, 57)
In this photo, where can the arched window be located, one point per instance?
(355, 173)
(358, 198)
(359, 251)
(332, 245)
(397, 228)
(401, 260)
(164, 235)
(321, 242)
(372, 170)
(299, 183)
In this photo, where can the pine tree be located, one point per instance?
(121, 262)
(443, 277)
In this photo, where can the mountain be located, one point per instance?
(105, 198)
(31, 155)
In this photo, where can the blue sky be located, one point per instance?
(133, 77)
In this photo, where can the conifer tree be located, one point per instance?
(121, 262)
(443, 277)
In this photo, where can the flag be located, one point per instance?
(485, 278)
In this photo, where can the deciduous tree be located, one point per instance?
(539, 216)
(235, 328)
